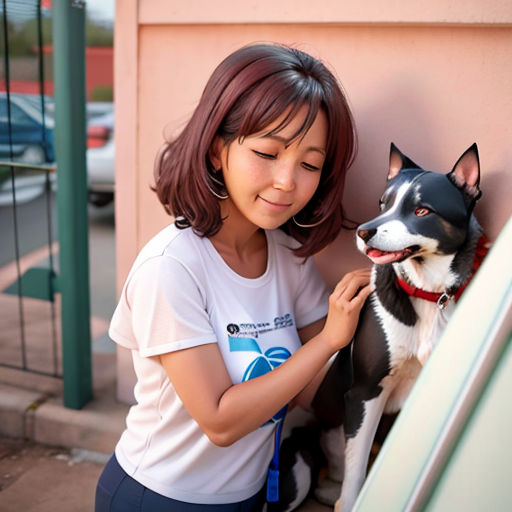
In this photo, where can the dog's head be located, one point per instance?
(422, 212)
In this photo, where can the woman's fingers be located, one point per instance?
(362, 273)
(351, 298)
(363, 294)
(348, 288)
(352, 289)
(345, 304)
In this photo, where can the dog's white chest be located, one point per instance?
(430, 326)
(417, 341)
(409, 347)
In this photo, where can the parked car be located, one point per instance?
(100, 159)
(31, 135)
(30, 141)
(97, 108)
(33, 143)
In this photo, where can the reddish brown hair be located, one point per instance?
(249, 90)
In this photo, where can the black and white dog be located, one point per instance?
(425, 246)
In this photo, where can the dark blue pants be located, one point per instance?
(119, 492)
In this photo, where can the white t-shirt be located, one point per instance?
(179, 294)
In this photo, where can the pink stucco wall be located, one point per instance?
(433, 79)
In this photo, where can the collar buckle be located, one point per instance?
(443, 300)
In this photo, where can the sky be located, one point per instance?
(102, 10)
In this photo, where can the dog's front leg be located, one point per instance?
(333, 446)
(362, 420)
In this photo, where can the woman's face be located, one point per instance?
(269, 180)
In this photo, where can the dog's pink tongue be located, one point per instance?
(381, 257)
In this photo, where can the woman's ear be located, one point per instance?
(215, 152)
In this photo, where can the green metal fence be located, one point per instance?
(70, 282)
(23, 349)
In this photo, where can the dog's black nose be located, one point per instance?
(366, 234)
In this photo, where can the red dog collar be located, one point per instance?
(442, 298)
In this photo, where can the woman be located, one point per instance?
(224, 311)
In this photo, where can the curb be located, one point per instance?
(41, 418)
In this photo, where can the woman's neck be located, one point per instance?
(243, 247)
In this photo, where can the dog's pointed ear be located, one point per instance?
(398, 161)
(466, 172)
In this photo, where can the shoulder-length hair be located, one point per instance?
(248, 91)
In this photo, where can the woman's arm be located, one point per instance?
(304, 398)
(227, 412)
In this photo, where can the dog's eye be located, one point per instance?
(421, 211)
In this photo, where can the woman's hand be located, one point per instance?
(345, 304)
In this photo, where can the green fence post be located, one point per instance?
(73, 281)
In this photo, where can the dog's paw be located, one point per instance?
(328, 491)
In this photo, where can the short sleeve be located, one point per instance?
(162, 309)
(312, 300)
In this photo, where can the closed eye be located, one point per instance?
(269, 156)
(310, 167)
(264, 155)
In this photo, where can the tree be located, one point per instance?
(24, 38)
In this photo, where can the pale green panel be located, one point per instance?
(477, 477)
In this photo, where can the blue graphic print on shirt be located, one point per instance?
(263, 362)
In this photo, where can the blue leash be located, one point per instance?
(273, 470)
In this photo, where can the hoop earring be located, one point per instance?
(217, 182)
(308, 225)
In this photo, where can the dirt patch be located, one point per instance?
(18, 456)
(40, 478)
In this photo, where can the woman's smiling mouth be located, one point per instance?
(275, 205)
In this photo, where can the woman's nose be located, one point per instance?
(284, 177)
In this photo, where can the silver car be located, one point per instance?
(100, 159)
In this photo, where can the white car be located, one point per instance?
(100, 159)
